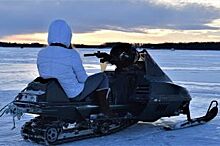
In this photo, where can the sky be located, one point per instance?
(100, 21)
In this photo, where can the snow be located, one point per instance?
(198, 71)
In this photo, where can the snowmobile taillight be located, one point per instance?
(29, 95)
(28, 98)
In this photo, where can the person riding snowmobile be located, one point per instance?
(59, 60)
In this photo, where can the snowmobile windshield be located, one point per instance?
(59, 32)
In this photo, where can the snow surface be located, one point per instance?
(198, 71)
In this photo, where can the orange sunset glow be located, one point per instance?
(102, 36)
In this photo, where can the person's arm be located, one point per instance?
(79, 69)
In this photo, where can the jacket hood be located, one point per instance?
(59, 32)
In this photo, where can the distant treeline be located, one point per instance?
(184, 46)
(23, 45)
(171, 46)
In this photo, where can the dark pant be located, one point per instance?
(96, 82)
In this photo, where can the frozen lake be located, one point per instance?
(198, 71)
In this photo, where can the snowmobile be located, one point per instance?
(140, 91)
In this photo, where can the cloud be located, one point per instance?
(182, 3)
(24, 17)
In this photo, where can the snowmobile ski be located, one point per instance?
(210, 114)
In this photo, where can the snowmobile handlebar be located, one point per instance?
(104, 57)
(121, 57)
(88, 55)
(98, 54)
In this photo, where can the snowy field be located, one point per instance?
(198, 71)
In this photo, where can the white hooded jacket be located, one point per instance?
(62, 63)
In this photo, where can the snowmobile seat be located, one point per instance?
(54, 93)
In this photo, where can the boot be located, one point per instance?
(103, 103)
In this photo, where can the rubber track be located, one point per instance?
(35, 130)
